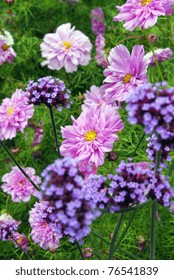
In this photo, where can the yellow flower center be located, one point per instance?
(67, 45)
(145, 2)
(4, 47)
(19, 240)
(127, 78)
(90, 135)
(10, 110)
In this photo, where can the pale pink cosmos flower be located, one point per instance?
(101, 57)
(42, 232)
(95, 96)
(160, 54)
(7, 53)
(91, 135)
(14, 114)
(142, 13)
(97, 21)
(18, 186)
(125, 72)
(20, 240)
(66, 48)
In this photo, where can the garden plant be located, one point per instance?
(86, 129)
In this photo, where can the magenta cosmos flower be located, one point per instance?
(91, 135)
(18, 186)
(43, 233)
(66, 48)
(142, 13)
(14, 114)
(124, 73)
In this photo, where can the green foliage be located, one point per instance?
(28, 22)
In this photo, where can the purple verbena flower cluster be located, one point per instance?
(129, 186)
(7, 226)
(161, 190)
(133, 184)
(153, 107)
(50, 91)
(96, 189)
(63, 188)
(152, 147)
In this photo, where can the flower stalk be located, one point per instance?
(54, 130)
(19, 166)
(116, 231)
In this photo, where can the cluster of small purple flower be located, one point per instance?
(152, 147)
(96, 189)
(153, 107)
(133, 184)
(7, 226)
(63, 188)
(50, 91)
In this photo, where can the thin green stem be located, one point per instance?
(153, 231)
(115, 234)
(95, 248)
(128, 254)
(80, 250)
(19, 166)
(153, 214)
(169, 38)
(125, 231)
(54, 130)
(103, 239)
(171, 168)
(156, 61)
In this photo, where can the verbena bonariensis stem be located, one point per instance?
(115, 234)
(80, 250)
(19, 166)
(54, 130)
(153, 215)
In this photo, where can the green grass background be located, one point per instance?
(31, 20)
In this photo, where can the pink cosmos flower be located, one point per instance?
(14, 114)
(100, 57)
(161, 55)
(125, 72)
(91, 135)
(18, 186)
(21, 240)
(66, 48)
(142, 13)
(95, 96)
(97, 21)
(7, 53)
(42, 232)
